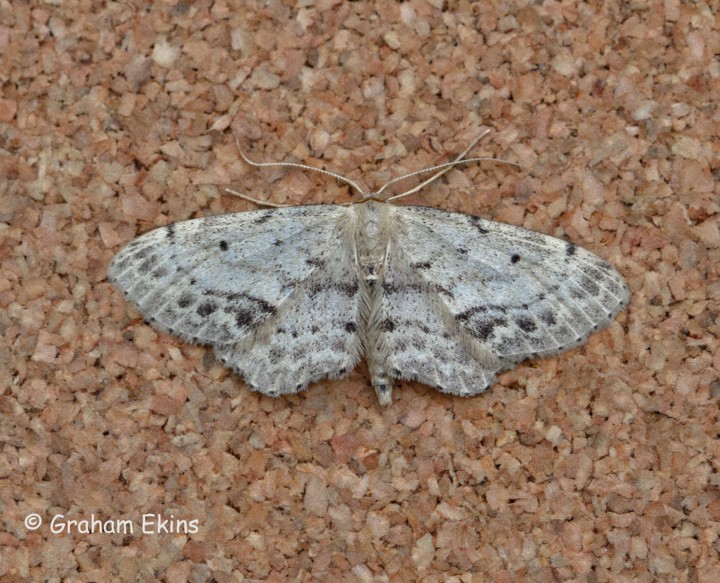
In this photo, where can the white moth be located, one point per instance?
(289, 296)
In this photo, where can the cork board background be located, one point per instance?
(600, 464)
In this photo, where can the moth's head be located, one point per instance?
(371, 196)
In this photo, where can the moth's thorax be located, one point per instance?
(372, 235)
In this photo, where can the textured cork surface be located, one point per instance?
(600, 464)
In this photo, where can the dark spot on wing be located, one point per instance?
(392, 288)
(262, 304)
(223, 246)
(243, 318)
(207, 308)
(477, 223)
(526, 324)
(170, 231)
(314, 262)
(185, 300)
(468, 314)
(350, 327)
(423, 265)
(240, 297)
(515, 258)
(264, 217)
(443, 290)
(570, 249)
(388, 325)
(485, 328)
(349, 289)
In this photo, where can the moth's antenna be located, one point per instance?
(443, 168)
(257, 201)
(287, 165)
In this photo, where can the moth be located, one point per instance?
(288, 296)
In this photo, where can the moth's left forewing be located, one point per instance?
(216, 280)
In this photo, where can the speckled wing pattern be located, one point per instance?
(273, 291)
(290, 296)
(312, 336)
(466, 298)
